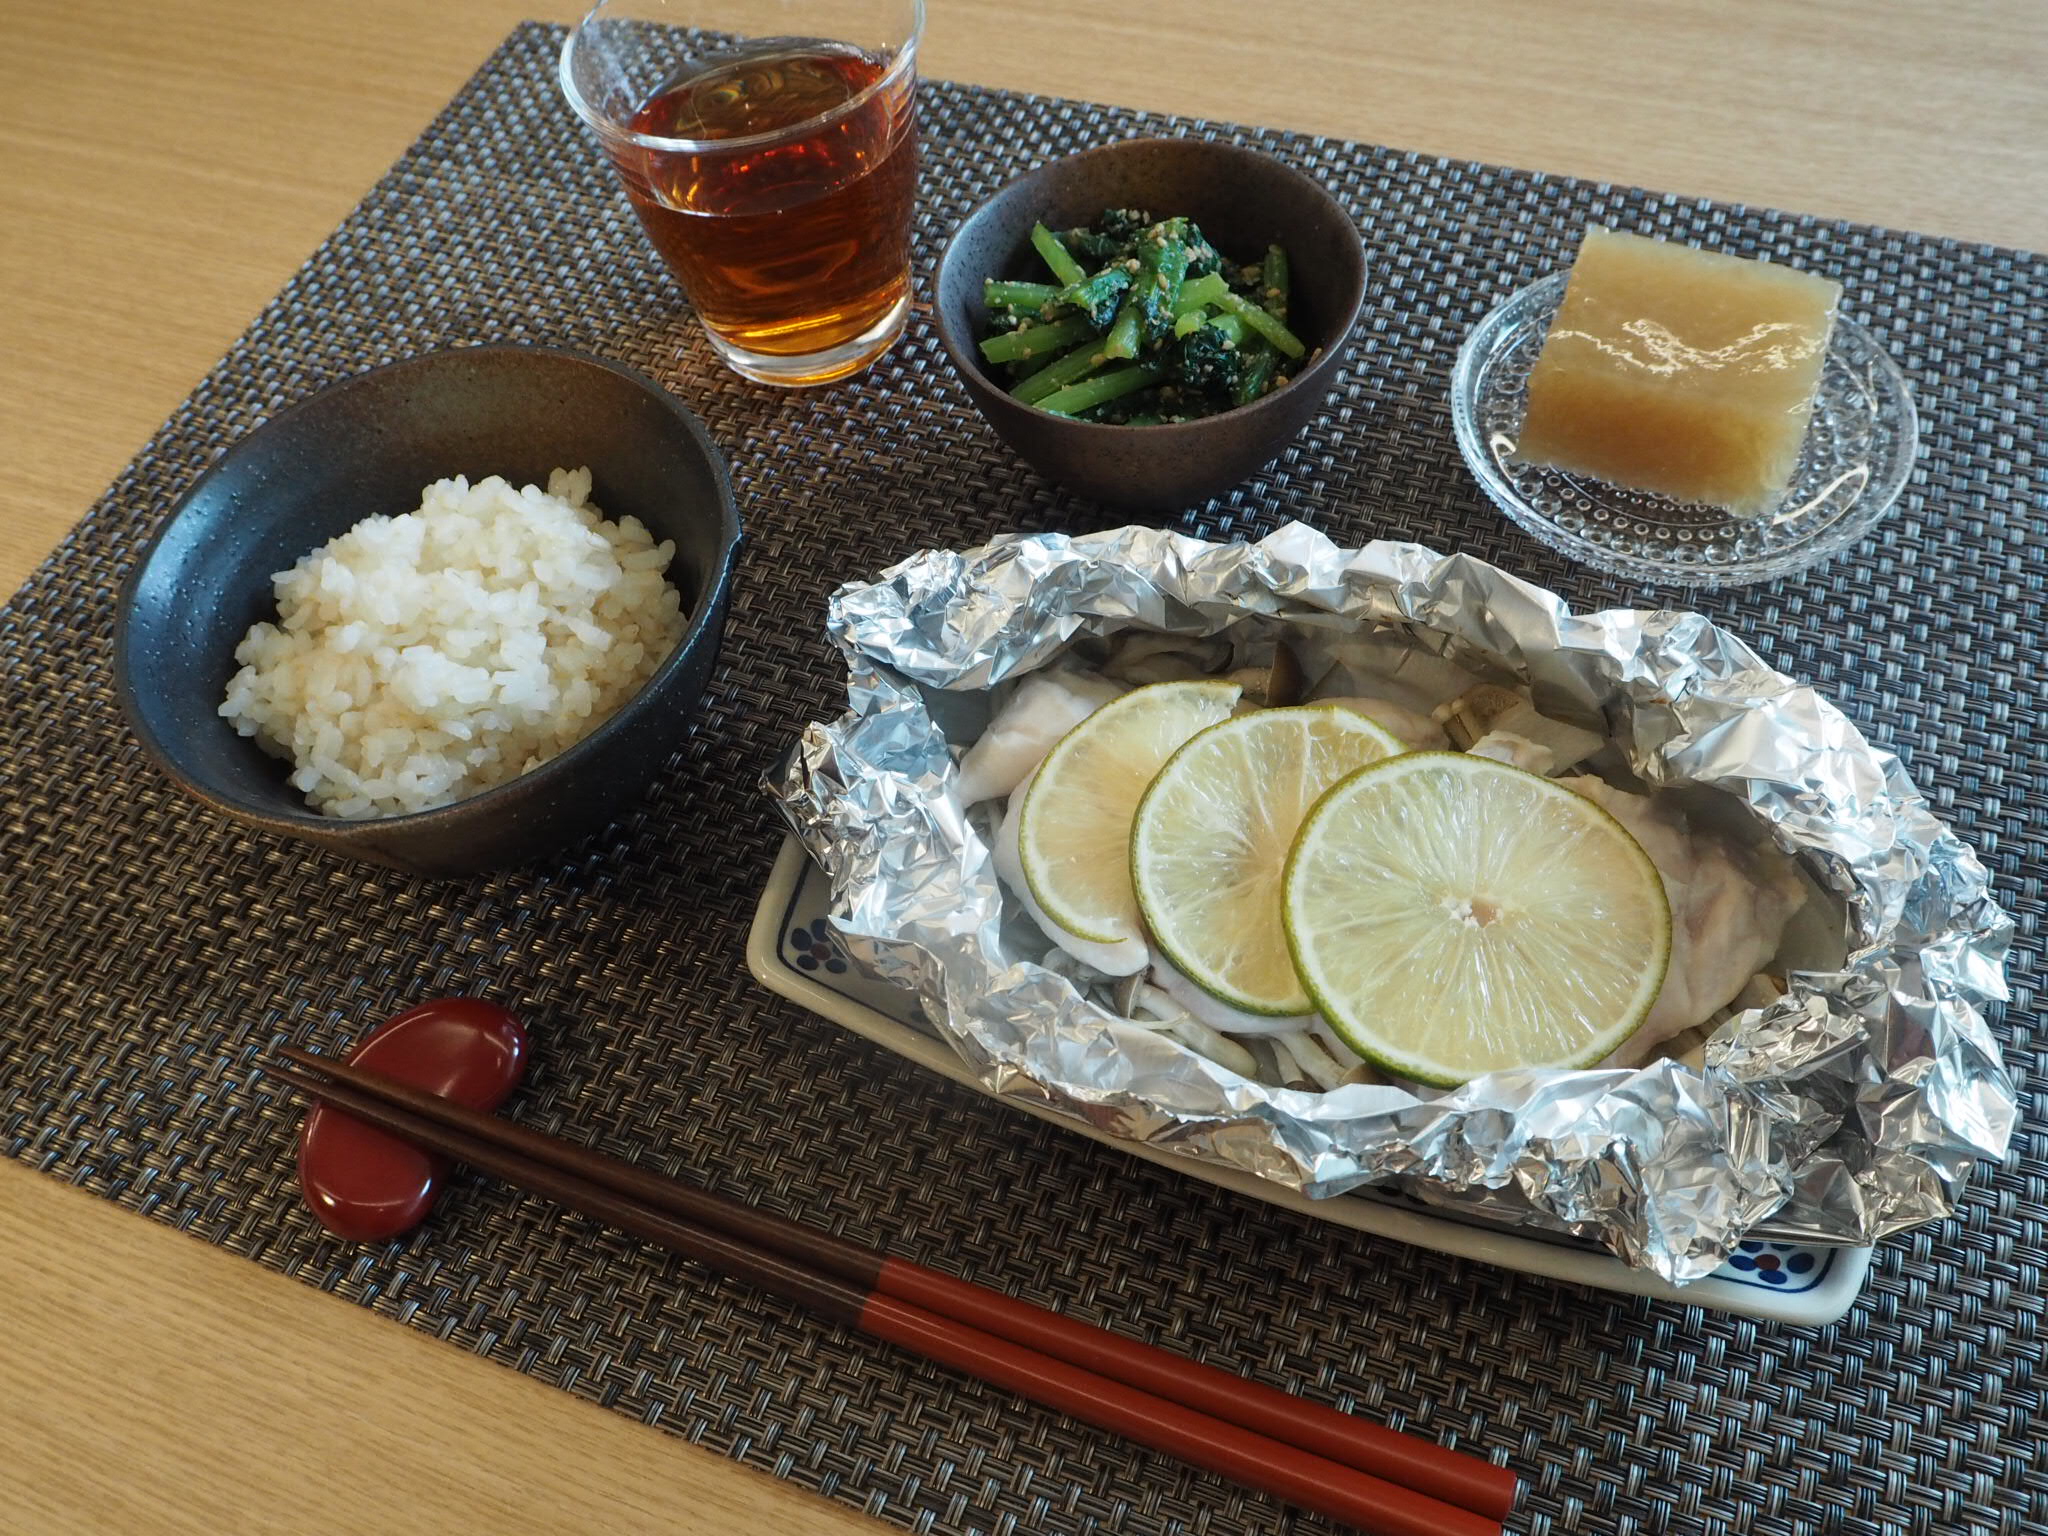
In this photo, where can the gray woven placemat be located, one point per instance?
(153, 954)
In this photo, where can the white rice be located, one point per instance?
(422, 658)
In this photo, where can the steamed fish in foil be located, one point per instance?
(1831, 941)
(1729, 899)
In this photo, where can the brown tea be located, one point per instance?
(802, 243)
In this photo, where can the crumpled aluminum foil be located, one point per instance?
(1851, 1108)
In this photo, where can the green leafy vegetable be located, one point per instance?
(1143, 321)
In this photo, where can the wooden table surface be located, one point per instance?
(164, 168)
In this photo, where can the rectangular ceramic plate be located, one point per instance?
(793, 950)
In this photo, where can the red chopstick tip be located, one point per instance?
(1359, 1499)
(1456, 1477)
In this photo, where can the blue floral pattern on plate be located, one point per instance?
(1777, 1266)
(814, 946)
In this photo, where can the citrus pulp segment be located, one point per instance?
(1452, 916)
(1211, 840)
(1074, 833)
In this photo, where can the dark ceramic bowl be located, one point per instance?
(1243, 201)
(371, 444)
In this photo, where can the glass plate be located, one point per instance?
(1858, 452)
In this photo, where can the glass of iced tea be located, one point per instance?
(775, 176)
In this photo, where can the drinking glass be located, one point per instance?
(776, 175)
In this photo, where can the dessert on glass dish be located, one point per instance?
(1687, 416)
(1684, 372)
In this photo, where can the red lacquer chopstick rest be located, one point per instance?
(368, 1185)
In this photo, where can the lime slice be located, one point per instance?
(1074, 834)
(1452, 916)
(1211, 840)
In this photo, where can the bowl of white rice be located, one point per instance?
(450, 615)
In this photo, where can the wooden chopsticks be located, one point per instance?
(1362, 1473)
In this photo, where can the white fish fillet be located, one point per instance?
(1729, 908)
(1503, 723)
(1044, 708)
(1138, 657)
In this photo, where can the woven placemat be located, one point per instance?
(153, 954)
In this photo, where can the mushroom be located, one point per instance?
(1496, 722)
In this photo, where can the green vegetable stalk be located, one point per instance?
(1257, 318)
(1062, 371)
(1037, 340)
(1199, 293)
(1128, 330)
(1089, 393)
(1162, 267)
(1026, 298)
(1057, 256)
(1274, 282)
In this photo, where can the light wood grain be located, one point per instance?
(163, 168)
(156, 1384)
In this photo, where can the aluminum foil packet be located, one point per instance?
(1851, 1107)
